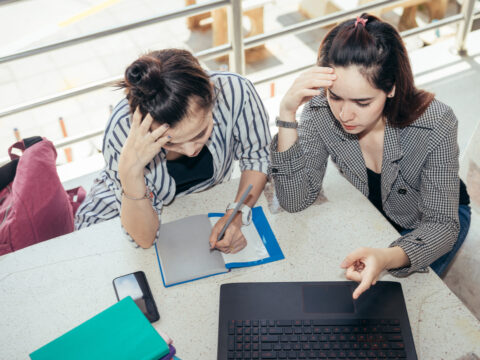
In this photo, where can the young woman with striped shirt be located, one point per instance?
(178, 131)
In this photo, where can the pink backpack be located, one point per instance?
(34, 206)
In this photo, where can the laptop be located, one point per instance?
(313, 320)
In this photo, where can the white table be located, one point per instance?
(49, 288)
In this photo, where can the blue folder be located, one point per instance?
(266, 235)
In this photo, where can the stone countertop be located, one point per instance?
(49, 288)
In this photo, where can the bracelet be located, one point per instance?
(148, 195)
(286, 124)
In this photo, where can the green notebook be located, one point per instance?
(119, 332)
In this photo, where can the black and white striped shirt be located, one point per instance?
(240, 132)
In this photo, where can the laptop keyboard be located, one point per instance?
(315, 339)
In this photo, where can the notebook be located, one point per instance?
(313, 320)
(183, 250)
(119, 332)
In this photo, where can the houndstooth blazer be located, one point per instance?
(419, 181)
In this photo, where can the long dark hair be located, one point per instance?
(378, 50)
(165, 82)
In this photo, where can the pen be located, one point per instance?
(232, 215)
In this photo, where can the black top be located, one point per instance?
(190, 171)
(375, 195)
(464, 198)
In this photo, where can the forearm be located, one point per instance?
(258, 181)
(286, 136)
(143, 144)
(395, 258)
(304, 88)
(138, 216)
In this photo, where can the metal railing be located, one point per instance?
(235, 48)
(187, 11)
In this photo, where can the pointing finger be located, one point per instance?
(364, 285)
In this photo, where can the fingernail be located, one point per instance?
(166, 126)
(343, 264)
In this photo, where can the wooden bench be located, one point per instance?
(217, 20)
(317, 8)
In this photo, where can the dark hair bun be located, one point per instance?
(144, 77)
(135, 72)
(164, 83)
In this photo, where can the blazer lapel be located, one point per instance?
(392, 153)
(347, 148)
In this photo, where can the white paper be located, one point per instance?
(255, 249)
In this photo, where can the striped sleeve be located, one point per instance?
(102, 202)
(105, 199)
(99, 205)
(251, 132)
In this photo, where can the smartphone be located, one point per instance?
(136, 286)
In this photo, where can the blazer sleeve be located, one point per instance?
(298, 172)
(439, 190)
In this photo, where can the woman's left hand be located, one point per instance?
(233, 240)
(365, 265)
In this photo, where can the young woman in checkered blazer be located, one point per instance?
(395, 143)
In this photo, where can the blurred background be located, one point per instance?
(59, 59)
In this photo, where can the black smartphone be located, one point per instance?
(136, 286)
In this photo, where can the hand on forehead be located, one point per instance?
(188, 128)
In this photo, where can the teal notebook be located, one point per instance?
(119, 332)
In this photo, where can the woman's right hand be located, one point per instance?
(140, 147)
(303, 89)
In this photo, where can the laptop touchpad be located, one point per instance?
(328, 299)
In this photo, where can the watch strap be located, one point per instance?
(245, 210)
(286, 124)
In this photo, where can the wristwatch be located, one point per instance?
(286, 124)
(246, 212)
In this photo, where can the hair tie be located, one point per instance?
(361, 20)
